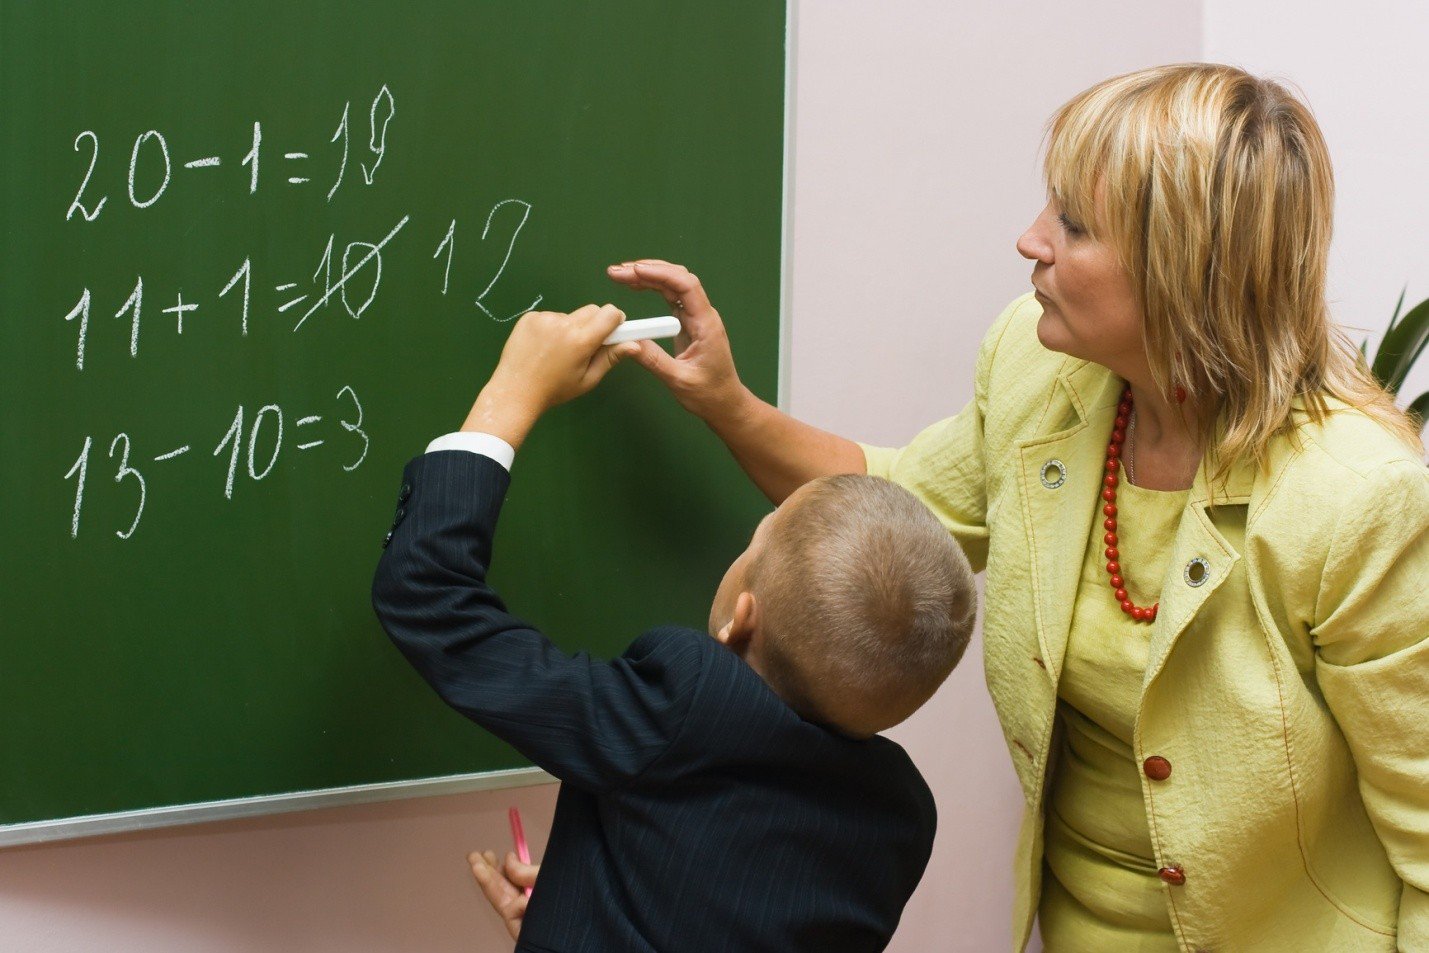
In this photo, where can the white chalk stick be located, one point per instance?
(642, 328)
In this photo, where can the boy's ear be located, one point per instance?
(738, 631)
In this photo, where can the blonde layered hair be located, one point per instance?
(1215, 187)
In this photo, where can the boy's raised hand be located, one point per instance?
(549, 359)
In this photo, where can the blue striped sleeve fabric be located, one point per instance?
(594, 724)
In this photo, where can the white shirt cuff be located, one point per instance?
(485, 444)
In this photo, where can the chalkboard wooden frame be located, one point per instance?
(44, 831)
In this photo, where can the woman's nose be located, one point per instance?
(1032, 246)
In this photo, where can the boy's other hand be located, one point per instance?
(503, 886)
(549, 359)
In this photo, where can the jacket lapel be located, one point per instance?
(1199, 552)
(1058, 515)
(1072, 440)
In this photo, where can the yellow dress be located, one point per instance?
(1101, 891)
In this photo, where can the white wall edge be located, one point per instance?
(92, 825)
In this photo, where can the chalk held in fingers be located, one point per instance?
(644, 329)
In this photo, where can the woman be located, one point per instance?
(1205, 530)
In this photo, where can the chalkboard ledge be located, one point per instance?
(93, 825)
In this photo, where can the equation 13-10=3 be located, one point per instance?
(261, 451)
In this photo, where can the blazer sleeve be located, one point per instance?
(595, 724)
(945, 466)
(1372, 663)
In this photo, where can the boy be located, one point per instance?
(726, 793)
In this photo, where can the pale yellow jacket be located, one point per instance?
(1289, 689)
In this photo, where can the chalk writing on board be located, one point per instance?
(251, 157)
(245, 271)
(257, 443)
(78, 205)
(481, 298)
(80, 311)
(385, 107)
(449, 243)
(341, 130)
(155, 135)
(347, 279)
(373, 252)
(150, 159)
(134, 304)
(357, 256)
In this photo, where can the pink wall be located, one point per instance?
(377, 878)
(916, 129)
(1364, 72)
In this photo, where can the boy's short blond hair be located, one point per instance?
(866, 600)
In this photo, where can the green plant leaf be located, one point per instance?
(1397, 305)
(1420, 406)
(1401, 347)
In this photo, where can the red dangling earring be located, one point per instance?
(1180, 391)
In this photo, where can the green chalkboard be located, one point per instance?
(255, 255)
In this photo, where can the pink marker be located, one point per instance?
(523, 853)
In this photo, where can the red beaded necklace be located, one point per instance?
(1110, 482)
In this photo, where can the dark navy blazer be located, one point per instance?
(698, 812)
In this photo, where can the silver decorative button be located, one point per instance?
(1197, 572)
(1054, 474)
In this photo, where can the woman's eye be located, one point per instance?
(1072, 227)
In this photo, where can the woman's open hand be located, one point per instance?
(701, 373)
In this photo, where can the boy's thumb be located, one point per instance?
(522, 875)
(605, 360)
